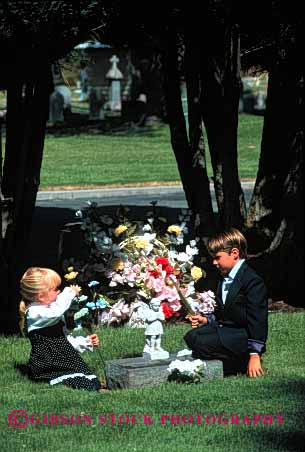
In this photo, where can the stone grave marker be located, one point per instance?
(56, 108)
(139, 372)
(114, 75)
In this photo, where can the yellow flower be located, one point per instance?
(70, 269)
(174, 229)
(71, 275)
(196, 273)
(119, 230)
(141, 243)
(117, 264)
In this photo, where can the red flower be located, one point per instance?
(169, 269)
(167, 311)
(162, 261)
(154, 273)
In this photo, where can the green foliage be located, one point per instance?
(49, 24)
(280, 391)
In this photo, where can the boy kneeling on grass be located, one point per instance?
(237, 332)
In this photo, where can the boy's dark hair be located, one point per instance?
(225, 241)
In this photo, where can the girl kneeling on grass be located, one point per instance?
(55, 355)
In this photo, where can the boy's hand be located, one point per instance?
(94, 340)
(76, 289)
(197, 320)
(255, 367)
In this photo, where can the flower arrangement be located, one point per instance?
(186, 371)
(129, 262)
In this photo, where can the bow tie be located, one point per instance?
(226, 284)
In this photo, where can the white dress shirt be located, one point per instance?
(229, 279)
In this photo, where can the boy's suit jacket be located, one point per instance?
(243, 319)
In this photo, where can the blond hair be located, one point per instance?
(34, 281)
(226, 241)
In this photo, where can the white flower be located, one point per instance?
(190, 290)
(191, 251)
(184, 352)
(172, 255)
(146, 228)
(186, 367)
(179, 239)
(149, 237)
(207, 302)
(194, 304)
(183, 257)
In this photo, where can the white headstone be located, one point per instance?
(114, 72)
(114, 75)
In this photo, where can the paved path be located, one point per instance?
(167, 196)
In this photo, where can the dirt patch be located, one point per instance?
(101, 187)
(128, 185)
(281, 306)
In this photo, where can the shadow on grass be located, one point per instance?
(275, 440)
(22, 368)
(277, 437)
(131, 355)
(79, 123)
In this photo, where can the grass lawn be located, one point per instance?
(131, 157)
(93, 158)
(279, 392)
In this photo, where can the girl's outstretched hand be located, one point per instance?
(94, 340)
(76, 288)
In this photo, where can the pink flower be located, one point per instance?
(168, 293)
(120, 310)
(156, 284)
(174, 305)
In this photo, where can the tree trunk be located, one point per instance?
(282, 263)
(221, 78)
(201, 196)
(282, 123)
(189, 156)
(26, 121)
(276, 215)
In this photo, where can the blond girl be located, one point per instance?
(55, 354)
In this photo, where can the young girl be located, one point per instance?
(55, 355)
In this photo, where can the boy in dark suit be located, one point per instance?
(236, 333)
